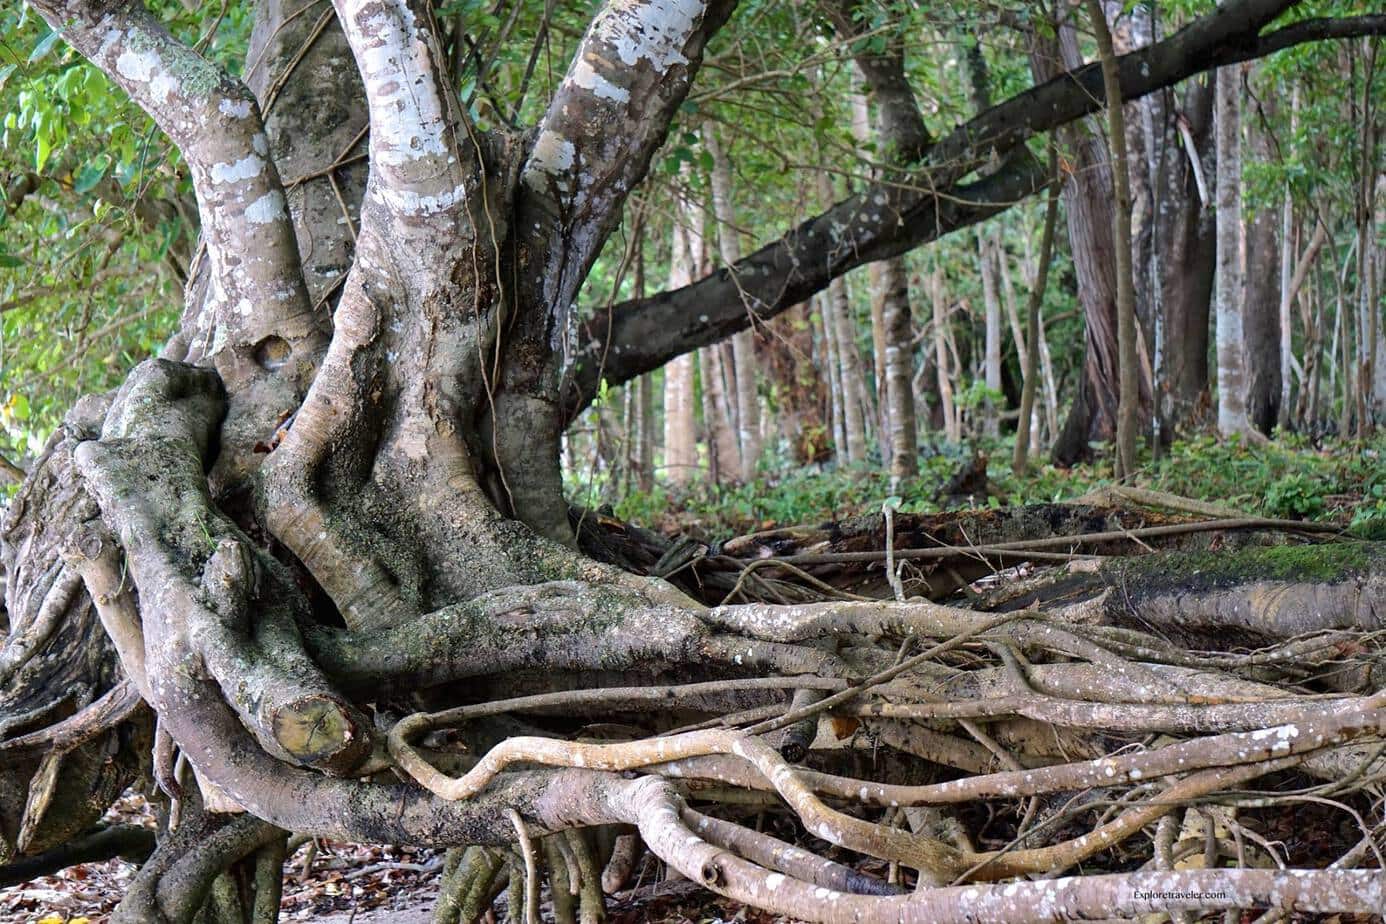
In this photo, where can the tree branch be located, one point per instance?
(418, 167)
(883, 221)
(257, 286)
(639, 336)
(608, 117)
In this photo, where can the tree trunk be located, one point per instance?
(1231, 302)
(723, 459)
(899, 331)
(991, 356)
(680, 429)
(1185, 226)
(1288, 247)
(952, 429)
(1128, 369)
(1262, 296)
(1088, 208)
(743, 348)
(838, 312)
(305, 521)
(1033, 321)
(828, 361)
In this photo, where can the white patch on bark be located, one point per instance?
(235, 108)
(162, 86)
(236, 171)
(137, 65)
(585, 76)
(266, 209)
(655, 30)
(550, 161)
(406, 200)
(408, 116)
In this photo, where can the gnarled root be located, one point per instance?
(176, 882)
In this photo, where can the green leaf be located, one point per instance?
(5, 72)
(44, 46)
(43, 147)
(18, 407)
(9, 260)
(89, 176)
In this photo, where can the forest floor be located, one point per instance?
(346, 884)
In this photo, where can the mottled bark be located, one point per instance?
(1231, 243)
(383, 516)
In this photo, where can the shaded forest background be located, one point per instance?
(1256, 255)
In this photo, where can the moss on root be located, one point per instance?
(1314, 563)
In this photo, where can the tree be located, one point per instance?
(1231, 249)
(1128, 370)
(329, 493)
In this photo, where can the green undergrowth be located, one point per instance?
(1290, 477)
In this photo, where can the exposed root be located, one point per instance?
(173, 885)
(812, 703)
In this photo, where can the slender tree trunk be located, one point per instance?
(743, 347)
(1231, 349)
(1366, 212)
(899, 364)
(991, 361)
(838, 312)
(951, 428)
(832, 373)
(892, 334)
(645, 441)
(1261, 294)
(642, 462)
(1088, 209)
(1129, 372)
(1287, 274)
(1374, 269)
(861, 130)
(723, 462)
(680, 425)
(1020, 458)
